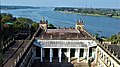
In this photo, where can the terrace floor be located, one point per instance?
(73, 63)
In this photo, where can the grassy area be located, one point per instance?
(93, 14)
(66, 12)
(116, 16)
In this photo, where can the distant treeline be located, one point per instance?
(115, 39)
(17, 7)
(100, 11)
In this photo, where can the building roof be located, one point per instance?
(65, 34)
(113, 49)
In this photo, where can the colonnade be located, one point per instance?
(77, 54)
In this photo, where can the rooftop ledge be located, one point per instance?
(65, 43)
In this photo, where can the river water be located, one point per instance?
(104, 26)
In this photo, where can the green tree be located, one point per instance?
(24, 20)
(97, 35)
(51, 26)
(6, 19)
(34, 26)
(1, 43)
(22, 23)
(115, 39)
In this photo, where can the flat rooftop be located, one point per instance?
(65, 34)
(115, 48)
(11, 60)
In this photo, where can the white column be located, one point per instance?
(109, 62)
(68, 54)
(59, 54)
(87, 54)
(34, 53)
(96, 54)
(93, 53)
(51, 54)
(112, 64)
(106, 60)
(43, 51)
(41, 56)
(78, 54)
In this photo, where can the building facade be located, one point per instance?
(63, 44)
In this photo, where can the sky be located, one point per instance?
(64, 3)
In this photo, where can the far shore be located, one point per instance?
(87, 14)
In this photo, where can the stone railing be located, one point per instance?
(7, 43)
(111, 53)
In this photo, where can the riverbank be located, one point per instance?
(66, 12)
(116, 17)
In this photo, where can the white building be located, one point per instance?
(59, 45)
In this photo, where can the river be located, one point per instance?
(104, 26)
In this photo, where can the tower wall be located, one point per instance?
(79, 26)
(43, 24)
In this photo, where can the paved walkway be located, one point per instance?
(82, 63)
(12, 59)
(73, 63)
(10, 51)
